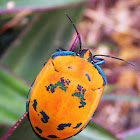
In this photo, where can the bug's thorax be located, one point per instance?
(86, 54)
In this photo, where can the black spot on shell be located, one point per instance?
(45, 117)
(35, 104)
(62, 126)
(53, 136)
(80, 94)
(38, 129)
(77, 126)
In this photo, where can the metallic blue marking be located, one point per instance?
(62, 81)
(62, 126)
(32, 83)
(27, 106)
(87, 124)
(93, 115)
(77, 126)
(53, 136)
(62, 84)
(30, 89)
(48, 88)
(69, 67)
(82, 103)
(67, 81)
(44, 63)
(101, 73)
(63, 53)
(38, 129)
(45, 117)
(80, 95)
(79, 87)
(35, 104)
(28, 94)
(87, 76)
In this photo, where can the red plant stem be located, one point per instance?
(74, 43)
(14, 127)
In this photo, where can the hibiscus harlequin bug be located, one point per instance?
(66, 92)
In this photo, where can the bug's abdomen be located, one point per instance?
(61, 105)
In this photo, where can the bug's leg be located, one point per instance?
(74, 43)
(114, 58)
(101, 61)
(60, 49)
(101, 73)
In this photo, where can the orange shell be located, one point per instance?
(62, 100)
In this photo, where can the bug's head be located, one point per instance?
(83, 53)
(86, 54)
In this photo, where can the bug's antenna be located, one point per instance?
(115, 58)
(76, 31)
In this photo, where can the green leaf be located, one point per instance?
(117, 97)
(17, 5)
(7, 33)
(132, 134)
(23, 132)
(127, 98)
(95, 132)
(12, 97)
(3, 129)
(48, 31)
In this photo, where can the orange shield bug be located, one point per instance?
(66, 92)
